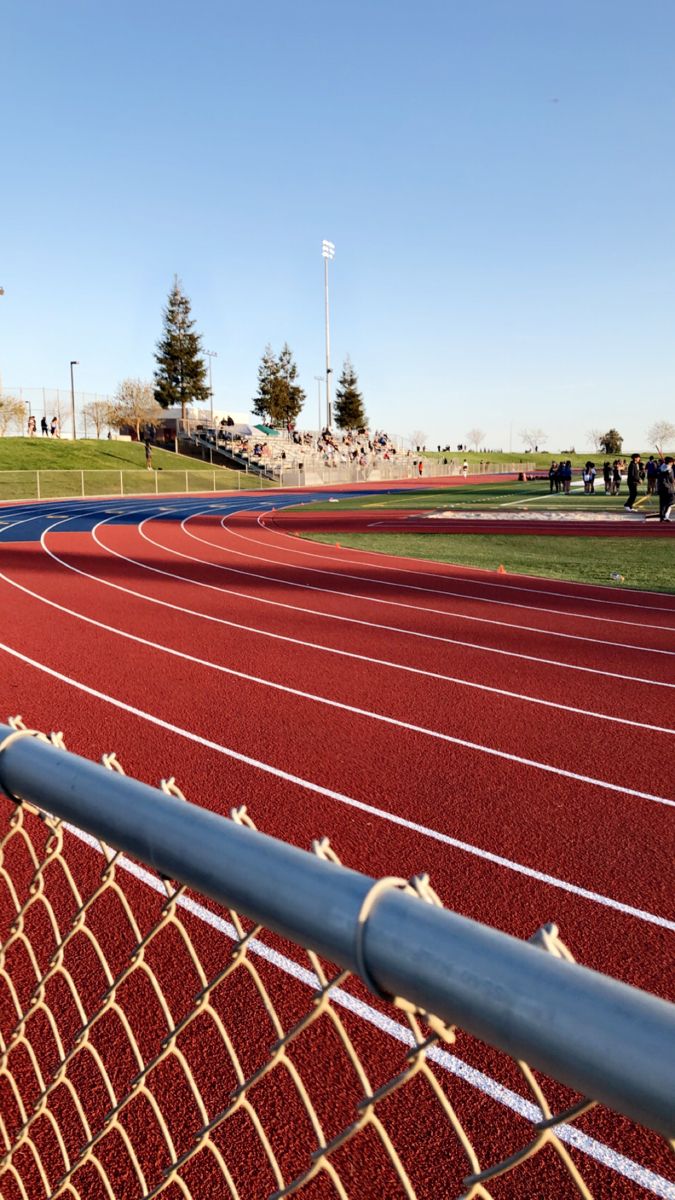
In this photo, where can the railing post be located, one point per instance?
(187, 483)
(121, 483)
(214, 480)
(156, 483)
(82, 480)
(37, 477)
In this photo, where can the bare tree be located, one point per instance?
(476, 436)
(134, 405)
(99, 413)
(661, 434)
(418, 438)
(533, 438)
(12, 412)
(595, 437)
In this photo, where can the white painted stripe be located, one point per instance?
(455, 576)
(416, 608)
(323, 649)
(143, 566)
(553, 612)
(341, 798)
(452, 1063)
(437, 735)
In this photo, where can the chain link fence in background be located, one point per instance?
(48, 403)
(154, 1043)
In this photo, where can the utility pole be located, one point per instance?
(319, 380)
(73, 363)
(211, 354)
(328, 253)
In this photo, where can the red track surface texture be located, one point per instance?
(411, 521)
(512, 737)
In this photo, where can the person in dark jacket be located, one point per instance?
(633, 480)
(665, 485)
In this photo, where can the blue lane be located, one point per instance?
(27, 522)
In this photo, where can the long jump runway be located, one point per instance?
(513, 737)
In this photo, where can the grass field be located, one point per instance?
(502, 495)
(573, 558)
(585, 560)
(45, 454)
(541, 460)
(92, 468)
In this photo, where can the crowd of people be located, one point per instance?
(657, 473)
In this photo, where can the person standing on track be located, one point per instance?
(633, 481)
(665, 483)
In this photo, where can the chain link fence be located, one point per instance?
(154, 1043)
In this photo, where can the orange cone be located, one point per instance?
(501, 569)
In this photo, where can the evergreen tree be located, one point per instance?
(268, 373)
(180, 376)
(280, 398)
(349, 410)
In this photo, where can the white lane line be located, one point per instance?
(323, 649)
(295, 608)
(451, 1063)
(455, 576)
(383, 719)
(553, 612)
(348, 801)
(325, 591)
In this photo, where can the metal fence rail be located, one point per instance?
(91, 1090)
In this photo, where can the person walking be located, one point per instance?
(607, 478)
(54, 430)
(633, 481)
(44, 427)
(32, 426)
(665, 486)
(148, 454)
(616, 477)
(652, 469)
(567, 477)
(551, 476)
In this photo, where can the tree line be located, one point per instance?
(180, 374)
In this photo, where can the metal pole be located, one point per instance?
(600, 1037)
(329, 411)
(74, 363)
(319, 380)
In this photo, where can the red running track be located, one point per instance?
(512, 737)
(418, 521)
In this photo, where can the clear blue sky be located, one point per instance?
(497, 176)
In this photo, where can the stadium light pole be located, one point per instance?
(319, 380)
(73, 363)
(327, 253)
(211, 354)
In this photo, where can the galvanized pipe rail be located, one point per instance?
(608, 1041)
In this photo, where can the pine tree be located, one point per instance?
(268, 373)
(349, 410)
(180, 376)
(280, 398)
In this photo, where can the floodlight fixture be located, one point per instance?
(327, 249)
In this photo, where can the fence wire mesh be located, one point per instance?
(152, 1044)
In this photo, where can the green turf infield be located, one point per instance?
(503, 495)
(649, 565)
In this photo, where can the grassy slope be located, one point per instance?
(45, 454)
(586, 560)
(541, 460)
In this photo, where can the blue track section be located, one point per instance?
(27, 522)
